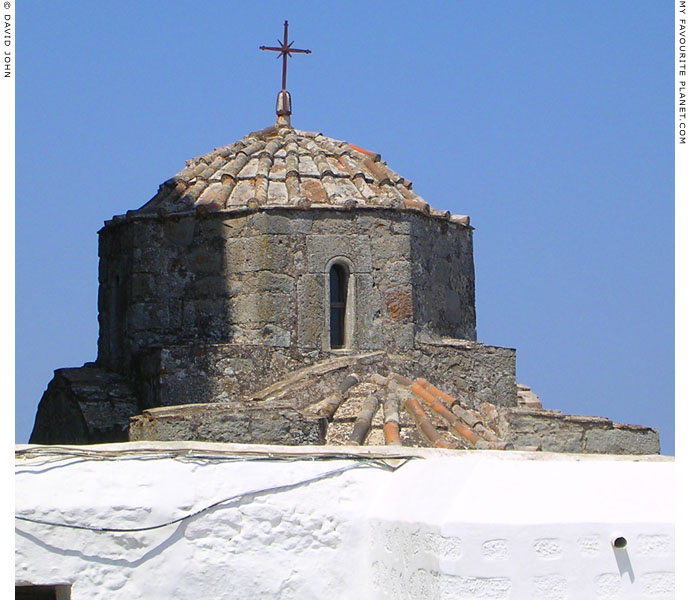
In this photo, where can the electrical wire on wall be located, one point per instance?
(66, 454)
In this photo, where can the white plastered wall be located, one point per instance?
(446, 524)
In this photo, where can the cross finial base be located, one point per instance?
(283, 108)
(284, 104)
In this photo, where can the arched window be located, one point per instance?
(338, 276)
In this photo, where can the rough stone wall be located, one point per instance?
(261, 279)
(236, 422)
(472, 371)
(552, 431)
(160, 282)
(84, 405)
(115, 250)
(443, 278)
(197, 373)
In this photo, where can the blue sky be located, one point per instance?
(550, 124)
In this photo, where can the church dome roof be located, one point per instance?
(284, 167)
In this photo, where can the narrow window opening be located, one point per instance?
(338, 286)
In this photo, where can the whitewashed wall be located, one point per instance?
(452, 524)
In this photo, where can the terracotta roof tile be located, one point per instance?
(387, 410)
(286, 167)
(277, 193)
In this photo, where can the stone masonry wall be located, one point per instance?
(236, 422)
(259, 278)
(199, 373)
(84, 405)
(443, 279)
(552, 431)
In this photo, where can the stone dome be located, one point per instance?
(284, 167)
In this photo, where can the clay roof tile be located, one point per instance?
(287, 167)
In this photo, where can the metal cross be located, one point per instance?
(285, 50)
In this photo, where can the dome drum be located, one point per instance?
(260, 278)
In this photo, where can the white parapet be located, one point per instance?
(189, 520)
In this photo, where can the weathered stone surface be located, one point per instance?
(236, 423)
(311, 317)
(337, 224)
(234, 224)
(144, 286)
(369, 315)
(261, 278)
(262, 308)
(266, 281)
(201, 373)
(476, 373)
(399, 303)
(620, 440)
(85, 405)
(385, 247)
(443, 278)
(555, 432)
(322, 248)
(398, 271)
(526, 397)
(263, 252)
(264, 222)
(179, 232)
